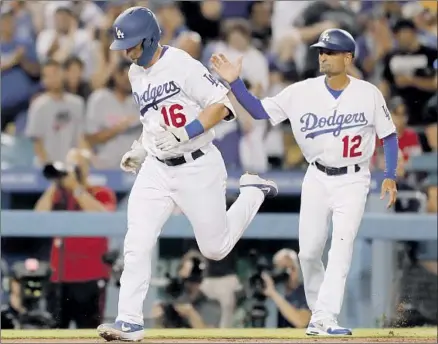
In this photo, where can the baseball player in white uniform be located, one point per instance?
(335, 119)
(179, 102)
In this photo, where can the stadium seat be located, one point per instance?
(423, 163)
(17, 151)
(431, 180)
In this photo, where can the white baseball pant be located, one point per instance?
(343, 199)
(198, 188)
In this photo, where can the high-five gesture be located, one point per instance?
(225, 69)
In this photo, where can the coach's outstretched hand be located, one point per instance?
(225, 69)
(389, 186)
(171, 137)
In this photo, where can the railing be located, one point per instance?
(382, 229)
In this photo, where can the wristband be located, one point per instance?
(194, 128)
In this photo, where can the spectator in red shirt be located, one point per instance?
(408, 140)
(79, 275)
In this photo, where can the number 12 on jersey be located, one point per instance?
(351, 146)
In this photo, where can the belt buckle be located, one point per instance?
(331, 171)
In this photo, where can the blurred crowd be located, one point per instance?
(63, 88)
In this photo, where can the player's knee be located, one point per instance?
(214, 253)
(309, 256)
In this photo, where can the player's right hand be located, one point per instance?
(225, 69)
(132, 160)
(389, 186)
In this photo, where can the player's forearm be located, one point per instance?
(293, 315)
(251, 104)
(206, 120)
(390, 149)
(212, 115)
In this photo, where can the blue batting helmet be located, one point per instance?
(134, 26)
(336, 40)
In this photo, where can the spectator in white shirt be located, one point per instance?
(65, 40)
(255, 70)
(87, 11)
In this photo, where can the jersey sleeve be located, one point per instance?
(275, 106)
(201, 86)
(382, 117)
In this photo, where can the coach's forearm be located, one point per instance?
(390, 149)
(250, 103)
(207, 119)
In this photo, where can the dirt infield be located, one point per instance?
(252, 336)
(236, 340)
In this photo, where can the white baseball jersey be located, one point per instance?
(174, 91)
(335, 132)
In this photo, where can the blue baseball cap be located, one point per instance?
(435, 64)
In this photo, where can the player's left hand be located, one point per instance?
(389, 186)
(171, 137)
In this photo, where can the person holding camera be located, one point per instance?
(293, 309)
(189, 307)
(79, 274)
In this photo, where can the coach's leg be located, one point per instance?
(149, 207)
(201, 196)
(348, 202)
(313, 230)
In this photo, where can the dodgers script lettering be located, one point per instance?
(154, 95)
(334, 124)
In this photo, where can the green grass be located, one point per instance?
(219, 333)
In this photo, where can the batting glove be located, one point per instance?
(171, 137)
(133, 159)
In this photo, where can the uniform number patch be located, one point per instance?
(351, 146)
(173, 117)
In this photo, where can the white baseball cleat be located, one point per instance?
(327, 328)
(269, 187)
(121, 331)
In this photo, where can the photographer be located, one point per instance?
(79, 275)
(188, 307)
(293, 309)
